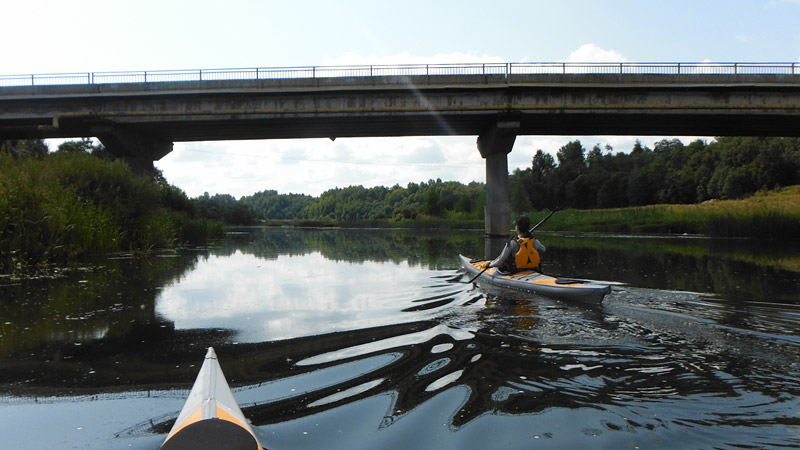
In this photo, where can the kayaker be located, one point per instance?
(522, 252)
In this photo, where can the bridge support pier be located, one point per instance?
(137, 149)
(494, 145)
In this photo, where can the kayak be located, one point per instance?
(211, 418)
(586, 291)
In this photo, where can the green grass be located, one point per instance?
(774, 214)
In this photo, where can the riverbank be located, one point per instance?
(411, 224)
(67, 205)
(772, 215)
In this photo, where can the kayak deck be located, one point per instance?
(585, 291)
(211, 418)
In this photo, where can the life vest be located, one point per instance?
(527, 257)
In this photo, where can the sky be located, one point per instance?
(100, 36)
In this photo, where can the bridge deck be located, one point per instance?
(405, 105)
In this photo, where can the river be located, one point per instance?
(374, 339)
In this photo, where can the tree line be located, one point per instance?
(669, 173)
(432, 199)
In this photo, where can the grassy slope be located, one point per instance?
(774, 214)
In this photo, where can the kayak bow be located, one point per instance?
(585, 291)
(211, 418)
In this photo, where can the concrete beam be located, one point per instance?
(125, 142)
(466, 105)
(494, 146)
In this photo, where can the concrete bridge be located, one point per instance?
(138, 115)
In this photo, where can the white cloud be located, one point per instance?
(593, 53)
(743, 38)
(312, 166)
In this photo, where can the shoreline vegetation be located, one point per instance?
(60, 206)
(66, 205)
(766, 215)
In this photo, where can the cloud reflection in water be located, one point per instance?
(288, 297)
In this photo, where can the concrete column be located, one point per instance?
(494, 145)
(497, 212)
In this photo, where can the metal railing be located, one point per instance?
(493, 71)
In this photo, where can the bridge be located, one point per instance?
(138, 115)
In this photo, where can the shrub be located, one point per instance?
(66, 205)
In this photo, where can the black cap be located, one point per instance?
(524, 223)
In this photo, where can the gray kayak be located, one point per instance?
(586, 291)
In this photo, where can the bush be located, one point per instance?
(66, 205)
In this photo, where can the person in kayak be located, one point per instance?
(522, 252)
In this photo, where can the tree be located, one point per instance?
(431, 206)
(571, 161)
(539, 181)
(571, 164)
(614, 192)
(24, 147)
(520, 203)
(85, 145)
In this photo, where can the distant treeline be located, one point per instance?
(671, 172)
(78, 201)
(449, 200)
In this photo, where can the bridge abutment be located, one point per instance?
(494, 145)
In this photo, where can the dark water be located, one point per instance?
(371, 339)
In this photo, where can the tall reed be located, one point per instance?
(66, 205)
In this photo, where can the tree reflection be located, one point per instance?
(97, 330)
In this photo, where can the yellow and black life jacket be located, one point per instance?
(527, 257)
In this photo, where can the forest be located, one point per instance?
(669, 173)
(449, 200)
(79, 200)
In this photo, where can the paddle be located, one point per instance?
(542, 221)
(529, 232)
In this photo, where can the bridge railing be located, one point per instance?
(488, 70)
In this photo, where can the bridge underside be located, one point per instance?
(177, 129)
(140, 121)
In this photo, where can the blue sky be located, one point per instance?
(83, 36)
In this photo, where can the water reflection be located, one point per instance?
(427, 249)
(735, 269)
(288, 297)
(637, 372)
(75, 305)
(337, 338)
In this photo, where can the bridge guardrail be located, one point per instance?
(506, 70)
